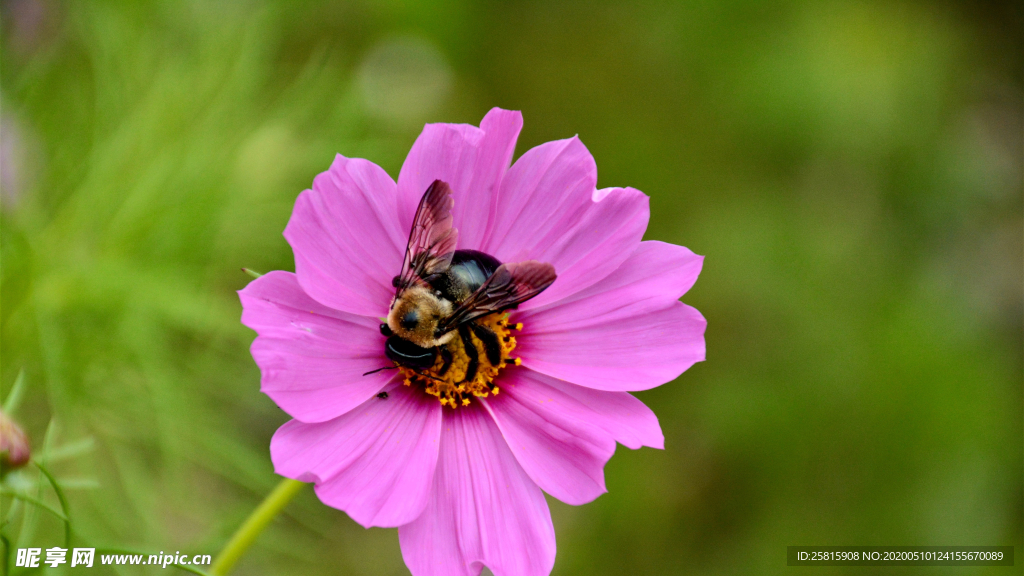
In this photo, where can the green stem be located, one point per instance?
(254, 525)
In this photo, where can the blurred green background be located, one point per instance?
(852, 171)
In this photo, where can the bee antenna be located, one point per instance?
(379, 369)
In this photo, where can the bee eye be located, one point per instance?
(410, 320)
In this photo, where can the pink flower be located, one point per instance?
(464, 483)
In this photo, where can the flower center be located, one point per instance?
(448, 380)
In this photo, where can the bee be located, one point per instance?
(441, 293)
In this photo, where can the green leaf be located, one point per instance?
(63, 501)
(14, 396)
(35, 502)
(71, 450)
(7, 554)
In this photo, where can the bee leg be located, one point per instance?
(490, 341)
(474, 361)
(424, 374)
(446, 358)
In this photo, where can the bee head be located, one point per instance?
(415, 314)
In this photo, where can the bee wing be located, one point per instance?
(432, 238)
(509, 286)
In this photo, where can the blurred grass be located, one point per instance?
(852, 170)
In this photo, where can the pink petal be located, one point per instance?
(627, 332)
(483, 510)
(563, 434)
(654, 274)
(549, 210)
(471, 160)
(376, 462)
(347, 240)
(627, 420)
(312, 358)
